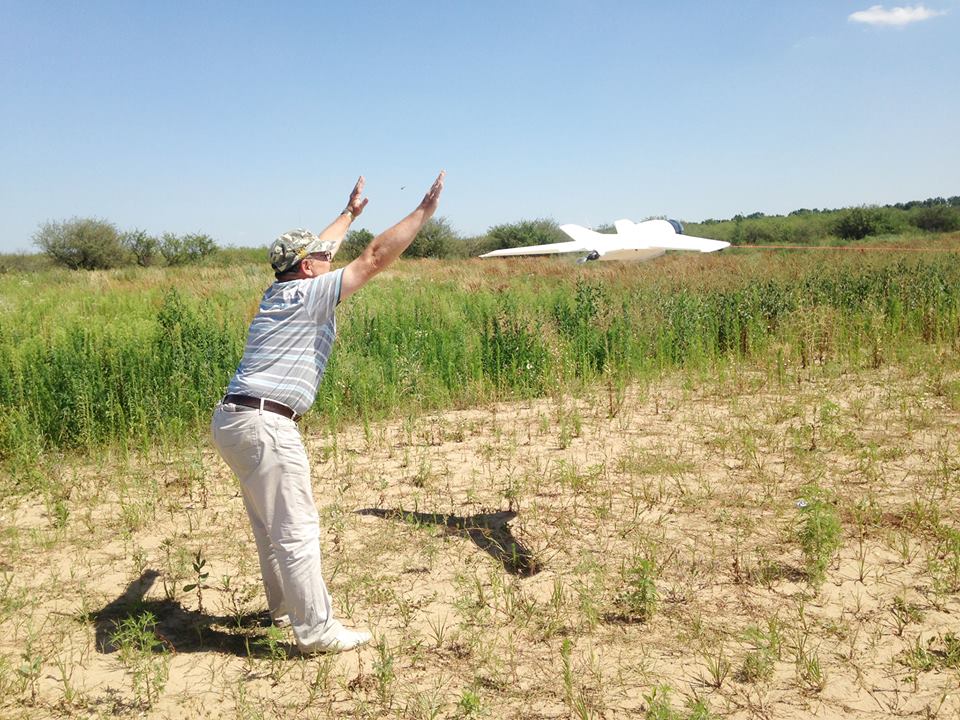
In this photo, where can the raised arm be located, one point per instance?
(335, 231)
(388, 245)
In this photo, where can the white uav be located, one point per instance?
(631, 241)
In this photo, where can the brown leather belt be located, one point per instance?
(272, 406)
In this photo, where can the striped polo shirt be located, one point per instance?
(290, 341)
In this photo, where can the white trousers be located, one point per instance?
(266, 452)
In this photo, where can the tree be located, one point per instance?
(936, 218)
(142, 247)
(858, 222)
(436, 239)
(525, 233)
(82, 244)
(186, 249)
(354, 243)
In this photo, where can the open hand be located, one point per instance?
(432, 198)
(356, 203)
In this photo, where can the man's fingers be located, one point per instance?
(357, 189)
(438, 183)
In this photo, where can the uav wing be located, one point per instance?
(584, 240)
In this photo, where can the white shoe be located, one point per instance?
(343, 640)
(281, 621)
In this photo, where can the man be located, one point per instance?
(254, 427)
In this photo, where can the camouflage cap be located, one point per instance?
(293, 246)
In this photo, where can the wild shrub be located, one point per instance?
(185, 249)
(82, 244)
(143, 247)
(858, 222)
(513, 354)
(936, 218)
(660, 707)
(638, 599)
(353, 244)
(144, 656)
(436, 239)
(584, 324)
(525, 233)
(766, 647)
(819, 533)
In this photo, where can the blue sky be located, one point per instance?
(243, 120)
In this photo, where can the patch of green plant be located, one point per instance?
(766, 649)
(199, 575)
(148, 355)
(811, 675)
(660, 707)
(904, 613)
(819, 532)
(638, 599)
(273, 645)
(940, 652)
(383, 673)
(144, 656)
(470, 704)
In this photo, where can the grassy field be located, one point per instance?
(716, 486)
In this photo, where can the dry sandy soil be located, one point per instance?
(610, 555)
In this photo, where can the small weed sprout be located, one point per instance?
(566, 650)
(384, 674)
(659, 707)
(904, 613)
(718, 668)
(199, 563)
(438, 629)
(637, 602)
(819, 533)
(174, 568)
(144, 656)
(940, 653)
(469, 705)
(758, 664)
(273, 645)
(29, 669)
(7, 681)
(574, 697)
(810, 673)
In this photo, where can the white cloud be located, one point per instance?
(894, 17)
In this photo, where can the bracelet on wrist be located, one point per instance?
(346, 211)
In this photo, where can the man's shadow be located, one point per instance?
(490, 532)
(178, 628)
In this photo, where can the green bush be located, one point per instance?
(144, 248)
(354, 243)
(525, 233)
(858, 222)
(82, 244)
(232, 255)
(186, 249)
(23, 262)
(819, 532)
(436, 239)
(936, 218)
(478, 245)
(638, 599)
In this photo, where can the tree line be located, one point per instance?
(93, 244)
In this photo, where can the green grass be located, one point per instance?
(140, 355)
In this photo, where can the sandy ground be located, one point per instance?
(495, 552)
